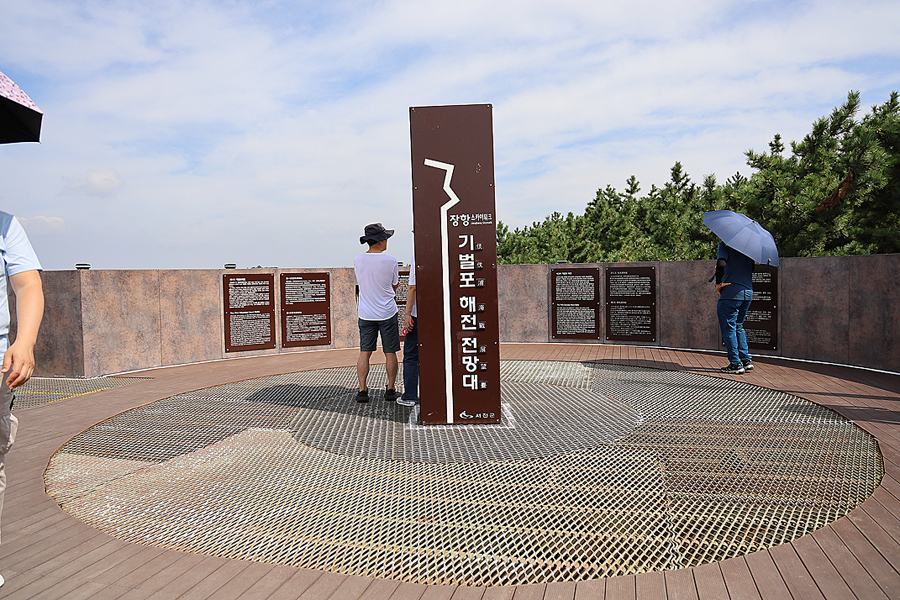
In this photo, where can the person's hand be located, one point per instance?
(408, 323)
(719, 287)
(19, 363)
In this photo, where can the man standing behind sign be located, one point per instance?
(378, 276)
(410, 344)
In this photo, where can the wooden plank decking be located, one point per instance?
(46, 553)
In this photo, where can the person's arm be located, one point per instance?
(721, 262)
(19, 359)
(410, 302)
(720, 272)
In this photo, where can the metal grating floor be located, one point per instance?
(596, 471)
(43, 390)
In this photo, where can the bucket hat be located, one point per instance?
(375, 232)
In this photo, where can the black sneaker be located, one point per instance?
(748, 366)
(737, 369)
(362, 396)
(391, 395)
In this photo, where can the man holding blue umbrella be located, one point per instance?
(734, 284)
(744, 242)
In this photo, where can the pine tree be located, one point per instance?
(836, 192)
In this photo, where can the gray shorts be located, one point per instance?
(8, 427)
(390, 334)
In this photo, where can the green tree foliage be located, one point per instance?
(836, 192)
(544, 242)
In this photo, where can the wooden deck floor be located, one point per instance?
(46, 553)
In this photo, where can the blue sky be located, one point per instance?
(194, 133)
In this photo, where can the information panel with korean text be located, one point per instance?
(249, 311)
(761, 322)
(305, 309)
(631, 304)
(575, 303)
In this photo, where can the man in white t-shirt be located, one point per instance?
(377, 276)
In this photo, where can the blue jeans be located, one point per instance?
(411, 363)
(731, 313)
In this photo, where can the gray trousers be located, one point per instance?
(8, 426)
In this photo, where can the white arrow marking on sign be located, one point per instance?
(445, 274)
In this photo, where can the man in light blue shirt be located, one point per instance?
(22, 269)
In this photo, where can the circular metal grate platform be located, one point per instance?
(595, 471)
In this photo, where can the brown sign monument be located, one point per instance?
(456, 263)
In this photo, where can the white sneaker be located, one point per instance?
(2, 581)
(737, 369)
(405, 402)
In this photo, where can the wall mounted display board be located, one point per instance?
(761, 322)
(631, 304)
(305, 309)
(575, 303)
(249, 311)
(456, 263)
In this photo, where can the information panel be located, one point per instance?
(761, 322)
(249, 311)
(305, 309)
(456, 263)
(575, 303)
(631, 304)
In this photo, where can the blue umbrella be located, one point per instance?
(743, 234)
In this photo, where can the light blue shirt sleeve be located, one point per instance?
(15, 249)
(17, 257)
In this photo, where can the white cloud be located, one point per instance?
(96, 183)
(271, 132)
(41, 225)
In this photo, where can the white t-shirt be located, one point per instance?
(376, 274)
(412, 281)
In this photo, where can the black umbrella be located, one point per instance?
(20, 119)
